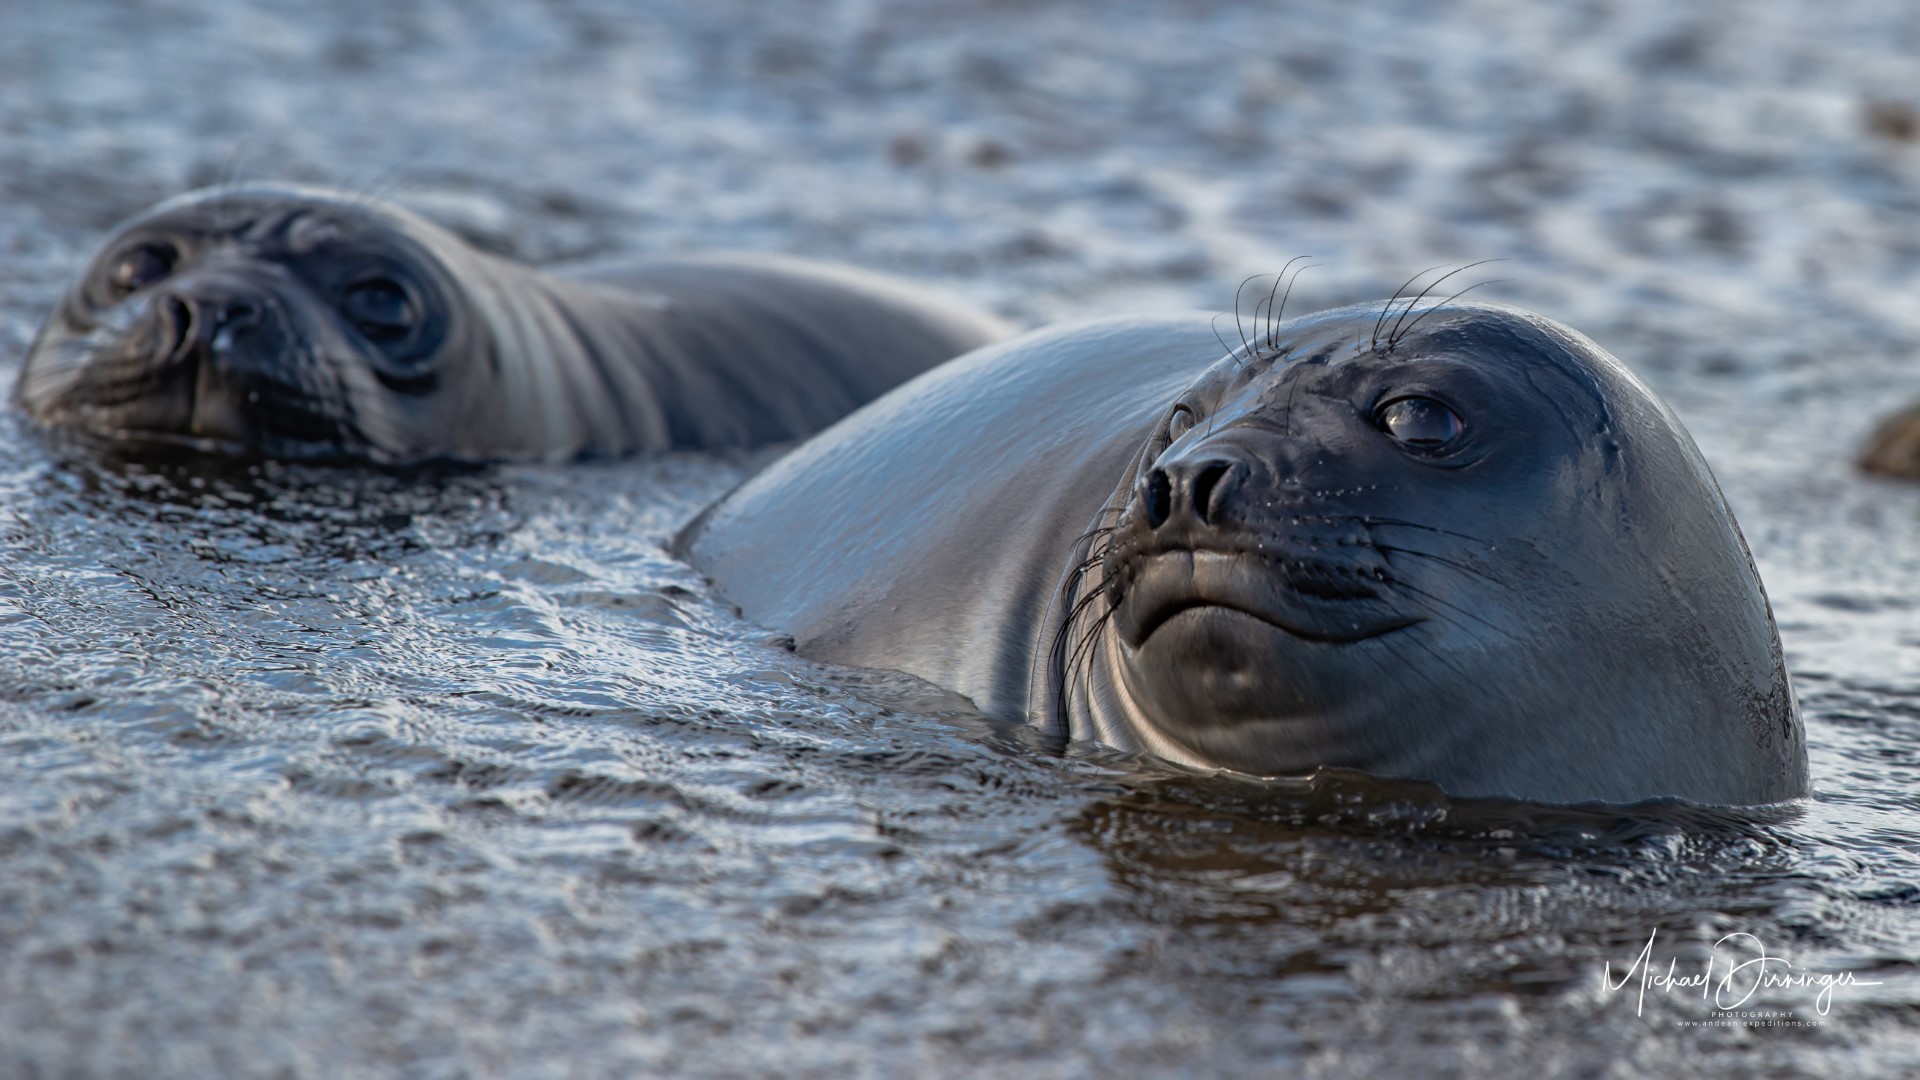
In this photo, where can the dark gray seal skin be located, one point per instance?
(299, 322)
(1473, 549)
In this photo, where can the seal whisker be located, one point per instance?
(1265, 336)
(229, 183)
(1402, 523)
(1064, 654)
(1391, 667)
(1398, 641)
(1414, 301)
(1078, 657)
(1226, 349)
(1393, 335)
(1397, 583)
(1395, 340)
(1086, 666)
(1094, 542)
(1273, 328)
(1238, 325)
(1071, 653)
(1387, 308)
(1441, 559)
(1091, 548)
(1077, 574)
(1081, 568)
(383, 186)
(1098, 530)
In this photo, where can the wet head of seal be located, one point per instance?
(1475, 551)
(270, 320)
(292, 321)
(1480, 552)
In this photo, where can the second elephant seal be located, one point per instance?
(301, 322)
(1460, 543)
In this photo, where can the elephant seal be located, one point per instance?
(300, 322)
(1450, 542)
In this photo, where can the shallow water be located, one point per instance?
(311, 771)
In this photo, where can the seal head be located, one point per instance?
(290, 322)
(1479, 552)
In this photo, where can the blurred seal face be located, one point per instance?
(300, 322)
(281, 323)
(1478, 553)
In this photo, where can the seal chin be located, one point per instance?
(1219, 687)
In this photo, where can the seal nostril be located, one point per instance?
(1203, 488)
(1159, 501)
(177, 324)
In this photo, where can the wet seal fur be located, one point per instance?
(300, 322)
(1459, 544)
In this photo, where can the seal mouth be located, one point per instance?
(1317, 601)
(181, 400)
(126, 389)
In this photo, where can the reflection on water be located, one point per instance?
(1527, 897)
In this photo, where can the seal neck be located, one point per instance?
(572, 369)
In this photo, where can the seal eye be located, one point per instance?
(1419, 422)
(141, 266)
(1179, 423)
(378, 308)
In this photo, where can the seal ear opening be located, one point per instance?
(1894, 448)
